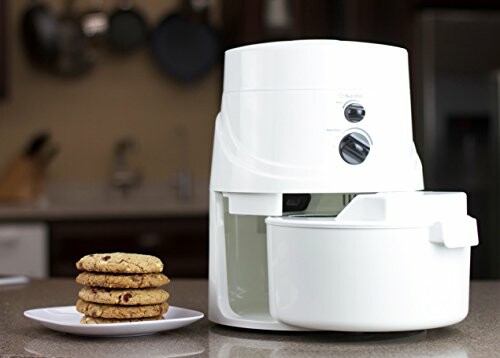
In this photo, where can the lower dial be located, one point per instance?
(354, 148)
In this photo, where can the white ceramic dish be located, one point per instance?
(67, 319)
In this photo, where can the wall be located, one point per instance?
(122, 96)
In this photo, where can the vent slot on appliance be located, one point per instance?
(327, 205)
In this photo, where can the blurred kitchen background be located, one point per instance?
(107, 110)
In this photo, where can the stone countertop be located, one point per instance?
(68, 201)
(113, 210)
(477, 336)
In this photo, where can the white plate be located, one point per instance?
(67, 319)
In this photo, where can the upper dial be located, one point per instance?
(354, 112)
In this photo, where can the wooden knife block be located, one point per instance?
(22, 181)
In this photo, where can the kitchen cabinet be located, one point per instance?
(180, 242)
(24, 249)
(81, 223)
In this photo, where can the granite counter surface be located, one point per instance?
(69, 201)
(477, 336)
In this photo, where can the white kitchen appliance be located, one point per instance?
(316, 218)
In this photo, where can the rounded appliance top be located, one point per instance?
(311, 64)
(302, 44)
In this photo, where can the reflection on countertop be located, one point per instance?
(180, 345)
(100, 200)
(338, 344)
(476, 336)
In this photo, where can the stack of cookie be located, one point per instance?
(121, 287)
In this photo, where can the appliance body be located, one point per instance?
(317, 127)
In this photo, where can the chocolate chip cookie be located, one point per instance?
(120, 312)
(125, 297)
(120, 262)
(122, 281)
(96, 320)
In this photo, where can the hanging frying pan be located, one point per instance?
(39, 34)
(184, 45)
(127, 28)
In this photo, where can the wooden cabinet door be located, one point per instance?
(181, 243)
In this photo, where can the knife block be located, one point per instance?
(22, 181)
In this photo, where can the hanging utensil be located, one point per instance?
(128, 28)
(278, 19)
(184, 45)
(39, 34)
(74, 56)
(94, 22)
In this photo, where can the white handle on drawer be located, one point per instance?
(455, 233)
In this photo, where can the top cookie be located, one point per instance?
(120, 262)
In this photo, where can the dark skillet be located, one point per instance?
(39, 34)
(184, 45)
(127, 28)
